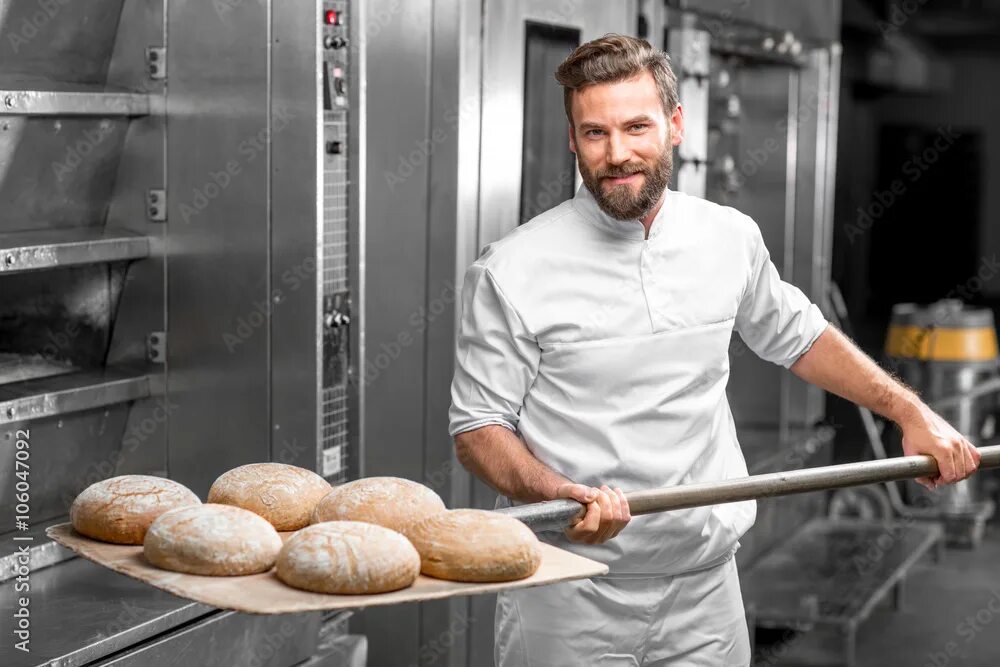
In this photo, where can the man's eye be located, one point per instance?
(594, 133)
(639, 127)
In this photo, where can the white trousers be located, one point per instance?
(690, 619)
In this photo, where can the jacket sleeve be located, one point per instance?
(496, 357)
(775, 319)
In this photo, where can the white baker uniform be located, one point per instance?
(608, 354)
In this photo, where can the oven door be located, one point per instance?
(526, 166)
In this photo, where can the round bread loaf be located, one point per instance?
(284, 495)
(392, 502)
(120, 509)
(475, 545)
(348, 557)
(210, 539)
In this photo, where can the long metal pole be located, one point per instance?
(558, 514)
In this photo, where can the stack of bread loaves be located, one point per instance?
(368, 536)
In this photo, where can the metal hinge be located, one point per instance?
(156, 346)
(156, 205)
(156, 62)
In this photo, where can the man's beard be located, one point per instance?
(620, 202)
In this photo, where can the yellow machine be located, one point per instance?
(948, 352)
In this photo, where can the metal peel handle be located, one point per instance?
(558, 514)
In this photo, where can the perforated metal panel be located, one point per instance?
(334, 447)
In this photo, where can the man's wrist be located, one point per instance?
(552, 488)
(907, 409)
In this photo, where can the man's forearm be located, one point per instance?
(835, 364)
(500, 458)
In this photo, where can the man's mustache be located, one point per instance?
(623, 170)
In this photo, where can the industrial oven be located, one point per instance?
(180, 239)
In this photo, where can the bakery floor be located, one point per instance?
(953, 605)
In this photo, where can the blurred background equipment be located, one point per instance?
(948, 353)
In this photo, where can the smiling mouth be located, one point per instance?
(621, 180)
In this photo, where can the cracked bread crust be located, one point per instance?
(348, 557)
(283, 494)
(475, 546)
(121, 509)
(213, 540)
(392, 502)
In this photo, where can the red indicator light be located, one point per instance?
(330, 17)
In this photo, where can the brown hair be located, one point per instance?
(615, 58)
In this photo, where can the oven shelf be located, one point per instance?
(70, 392)
(42, 552)
(55, 248)
(73, 103)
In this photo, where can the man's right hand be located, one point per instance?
(607, 512)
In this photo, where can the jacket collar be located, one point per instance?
(631, 229)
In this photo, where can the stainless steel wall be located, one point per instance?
(219, 233)
(413, 112)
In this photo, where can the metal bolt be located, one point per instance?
(10, 413)
(154, 54)
(154, 211)
(153, 69)
(153, 198)
(9, 101)
(9, 259)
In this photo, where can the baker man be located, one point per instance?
(593, 357)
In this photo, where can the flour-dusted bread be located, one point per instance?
(392, 502)
(120, 509)
(210, 539)
(475, 545)
(284, 495)
(348, 557)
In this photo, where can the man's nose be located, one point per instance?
(618, 151)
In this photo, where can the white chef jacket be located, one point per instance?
(608, 353)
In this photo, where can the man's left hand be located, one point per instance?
(928, 433)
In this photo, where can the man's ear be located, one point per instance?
(572, 139)
(677, 126)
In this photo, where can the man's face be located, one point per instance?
(624, 143)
